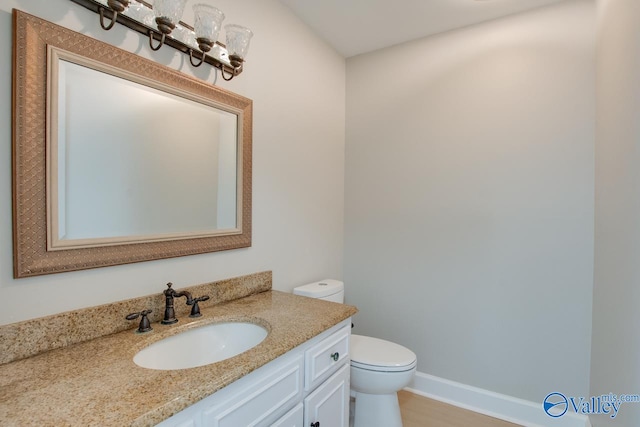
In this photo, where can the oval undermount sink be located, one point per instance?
(201, 346)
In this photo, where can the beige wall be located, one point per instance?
(470, 199)
(469, 191)
(616, 314)
(298, 163)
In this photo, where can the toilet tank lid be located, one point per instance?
(320, 289)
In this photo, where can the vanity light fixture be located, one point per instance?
(161, 23)
(168, 14)
(238, 39)
(207, 26)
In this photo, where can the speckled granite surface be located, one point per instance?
(96, 383)
(31, 337)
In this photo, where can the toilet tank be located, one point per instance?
(328, 290)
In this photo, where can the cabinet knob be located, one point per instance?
(316, 424)
(335, 356)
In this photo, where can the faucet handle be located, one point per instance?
(145, 325)
(195, 310)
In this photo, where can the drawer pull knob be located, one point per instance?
(316, 424)
(335, 356)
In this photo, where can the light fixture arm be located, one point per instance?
(114, 16)
(151, 38)
(196, 64)
(231, 75)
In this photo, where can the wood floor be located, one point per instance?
(418, 411)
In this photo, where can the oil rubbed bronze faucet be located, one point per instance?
(145, 325)
(169, 311)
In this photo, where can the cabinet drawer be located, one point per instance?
(326, 357)
(263, 403)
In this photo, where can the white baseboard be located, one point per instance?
(508, 408)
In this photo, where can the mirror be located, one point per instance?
(118, 159)
(163, 167)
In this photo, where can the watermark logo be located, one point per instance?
(557, 404)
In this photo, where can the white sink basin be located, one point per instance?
(201, 346)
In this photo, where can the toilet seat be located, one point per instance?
(375, 354)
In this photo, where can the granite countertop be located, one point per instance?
(96, 382)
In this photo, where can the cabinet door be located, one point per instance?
(328, 405)
(293, 418)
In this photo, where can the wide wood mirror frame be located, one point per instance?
(39, 48)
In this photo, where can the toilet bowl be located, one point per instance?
(379, 368)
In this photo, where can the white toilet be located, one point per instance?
(379, 368)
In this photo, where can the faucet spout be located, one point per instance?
(169, 310)
(184, 294)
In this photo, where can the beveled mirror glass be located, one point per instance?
(118, 159)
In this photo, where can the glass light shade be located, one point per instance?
(170, 10)
(238, 39)
(208, 21)
(184, 35)
(140, 13)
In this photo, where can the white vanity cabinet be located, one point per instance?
(293, 418)
(260, 403)
(327, 379)
(328, 405)
(304, 387)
